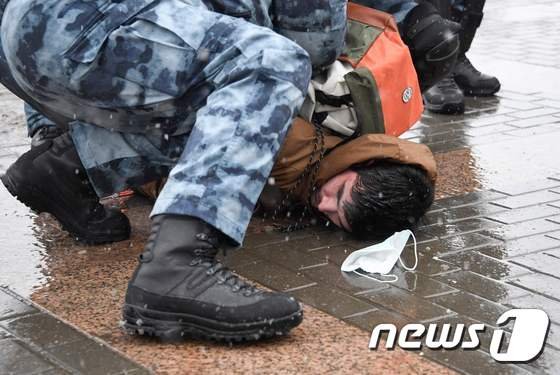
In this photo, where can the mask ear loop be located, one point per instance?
(395, 278)
(413, 268)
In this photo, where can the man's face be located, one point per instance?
(333, 195)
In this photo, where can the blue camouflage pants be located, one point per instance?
(176, 87)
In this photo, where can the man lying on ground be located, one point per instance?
(146, 94)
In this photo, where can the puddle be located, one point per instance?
(22, 258)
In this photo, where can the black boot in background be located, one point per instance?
(473, 82)
(50, 178)
(445, 97)
(469, 79)
(180, 290)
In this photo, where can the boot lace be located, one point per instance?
(447, 83)
(467, 65)
(207, 258)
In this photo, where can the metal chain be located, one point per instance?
(311, 170)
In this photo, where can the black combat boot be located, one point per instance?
(473, 82)
(445, 97)
(43, 134)
(180, 290)
(50, 178)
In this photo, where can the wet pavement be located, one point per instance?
(490, 243)
(55, 348)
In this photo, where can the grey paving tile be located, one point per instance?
(540, 283)
(540, 112)
(473, 362)
(372, 319)
(484, 287)
(529, 132)
(43, 330)
(464, 242)
(427, 265)
(334, 254)
(470, 199)
(407, 304)
(289, 255)
(548, 362)
(330, 275)
(553, 338)
(91, 357)
(519, 105)
(529, 199)
(554, 219)
(461, 213)
(547, 262)
(554, 235)
(524, 214)
(332, 301)
(521, 246)
(520, 230)
(441, 147)
(528, 185)
(484, 265)
(457, 228)
(491, 129)
(272, 275)
(551, 307)
(4, 334)
(17, 359)
(472, 306)
(489, 120)
(11, 306)
(265, 238)
(485, 337)
(533, 121)
(239, 257)
(549, 103)
(419, 284)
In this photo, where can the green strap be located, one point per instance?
(367, 102)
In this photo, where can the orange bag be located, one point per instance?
(384, 84)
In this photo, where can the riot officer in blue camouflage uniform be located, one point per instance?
(204, 91)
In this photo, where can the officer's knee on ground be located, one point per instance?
(433, 42)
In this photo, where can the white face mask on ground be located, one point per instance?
(381, 258)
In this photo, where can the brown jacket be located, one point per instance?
(298, 147)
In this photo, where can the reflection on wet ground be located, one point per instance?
(490, 243)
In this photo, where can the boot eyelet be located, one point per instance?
(202, 237)
(210, 272)
(194, 263)
(145, 257)
(235, 289)
(198, 252)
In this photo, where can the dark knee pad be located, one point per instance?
(433, 42)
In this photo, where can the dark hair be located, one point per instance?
(388, 197)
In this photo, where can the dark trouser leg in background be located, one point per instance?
(445, 96)
(469, 14)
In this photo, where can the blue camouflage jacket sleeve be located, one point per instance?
(318, 26)
(398, 8)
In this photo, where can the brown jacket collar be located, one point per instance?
(298, 148)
